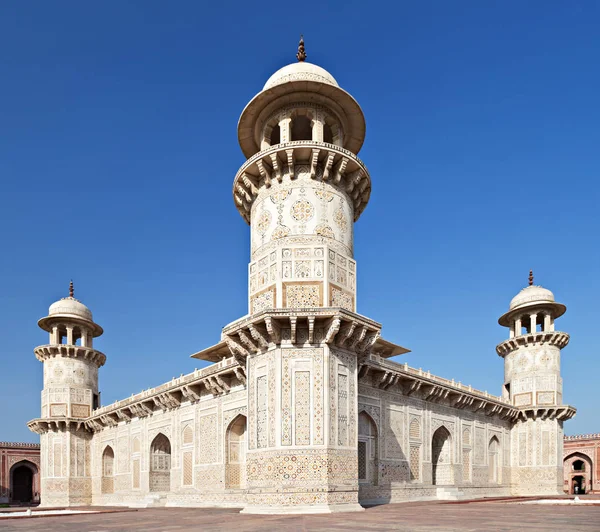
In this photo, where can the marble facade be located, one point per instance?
(302, 410)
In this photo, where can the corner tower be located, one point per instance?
(301, 189)
(70, 394)
(532, 383)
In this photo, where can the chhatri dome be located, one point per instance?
(71, 309)
(296, 83)
(532, 296)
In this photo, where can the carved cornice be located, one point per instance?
(555, 338)
(59, 424)
(260, 332)
(45, 352)
(559, 412)
(401, 378)
(335, 165)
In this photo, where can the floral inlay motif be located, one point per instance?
(324, 195)
(302, 210)
(340, 219)
(280, 231)
(324, 230)
(263, 223)
(279, 196)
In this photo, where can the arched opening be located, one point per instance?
(301, 128)
(494, 460)
(442, 472)
(367, 449)
(108, 470)
(22, 482)
(275, 135)
(578, 472)
(160, 463)
(235, 444)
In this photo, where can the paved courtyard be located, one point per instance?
(489, 515)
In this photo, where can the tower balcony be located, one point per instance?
(326, 162)
(556, 338)
(45, 352)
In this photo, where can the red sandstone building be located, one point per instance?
(582, 463)
(19, 473)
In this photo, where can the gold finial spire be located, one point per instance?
(71, 289)
(301, 55)
(530, 277)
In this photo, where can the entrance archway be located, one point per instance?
(22, 482)
(235, 471)
(160, 464)
(442, 472)
(578, 469)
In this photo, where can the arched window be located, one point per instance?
(494, 460)
(578, 465)
(441, 457)
(160, 464)
(235, 475)
(108, 463)
(367, 449)
(301, 128)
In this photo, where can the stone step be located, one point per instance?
(449, 493)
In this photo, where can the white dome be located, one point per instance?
(70, 307)
(531, 295)
(300, 71)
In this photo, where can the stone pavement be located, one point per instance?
(414, 517)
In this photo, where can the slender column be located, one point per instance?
(54, 339)
(84, 338)
(317, 128)
(518, 327)
(70, 335)
(285, 129)
(551, 323)
(532, 322)
(512, 330)
(547, 320)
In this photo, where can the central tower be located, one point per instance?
(300, 190)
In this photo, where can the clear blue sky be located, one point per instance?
(118, 149)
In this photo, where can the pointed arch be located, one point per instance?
(108, 470)
(578, 471)
(494, 460)
(442, 471)
(235, 447)
(160, 463)
(368, 451)
(24, 477)
(187, 436)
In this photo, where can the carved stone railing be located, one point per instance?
(44, 352)
(327, 162)
(557, 338)
(595, 436)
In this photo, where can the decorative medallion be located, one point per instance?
(302, 211)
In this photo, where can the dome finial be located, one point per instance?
(301, 55)
(530, 277)
(71, 289)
